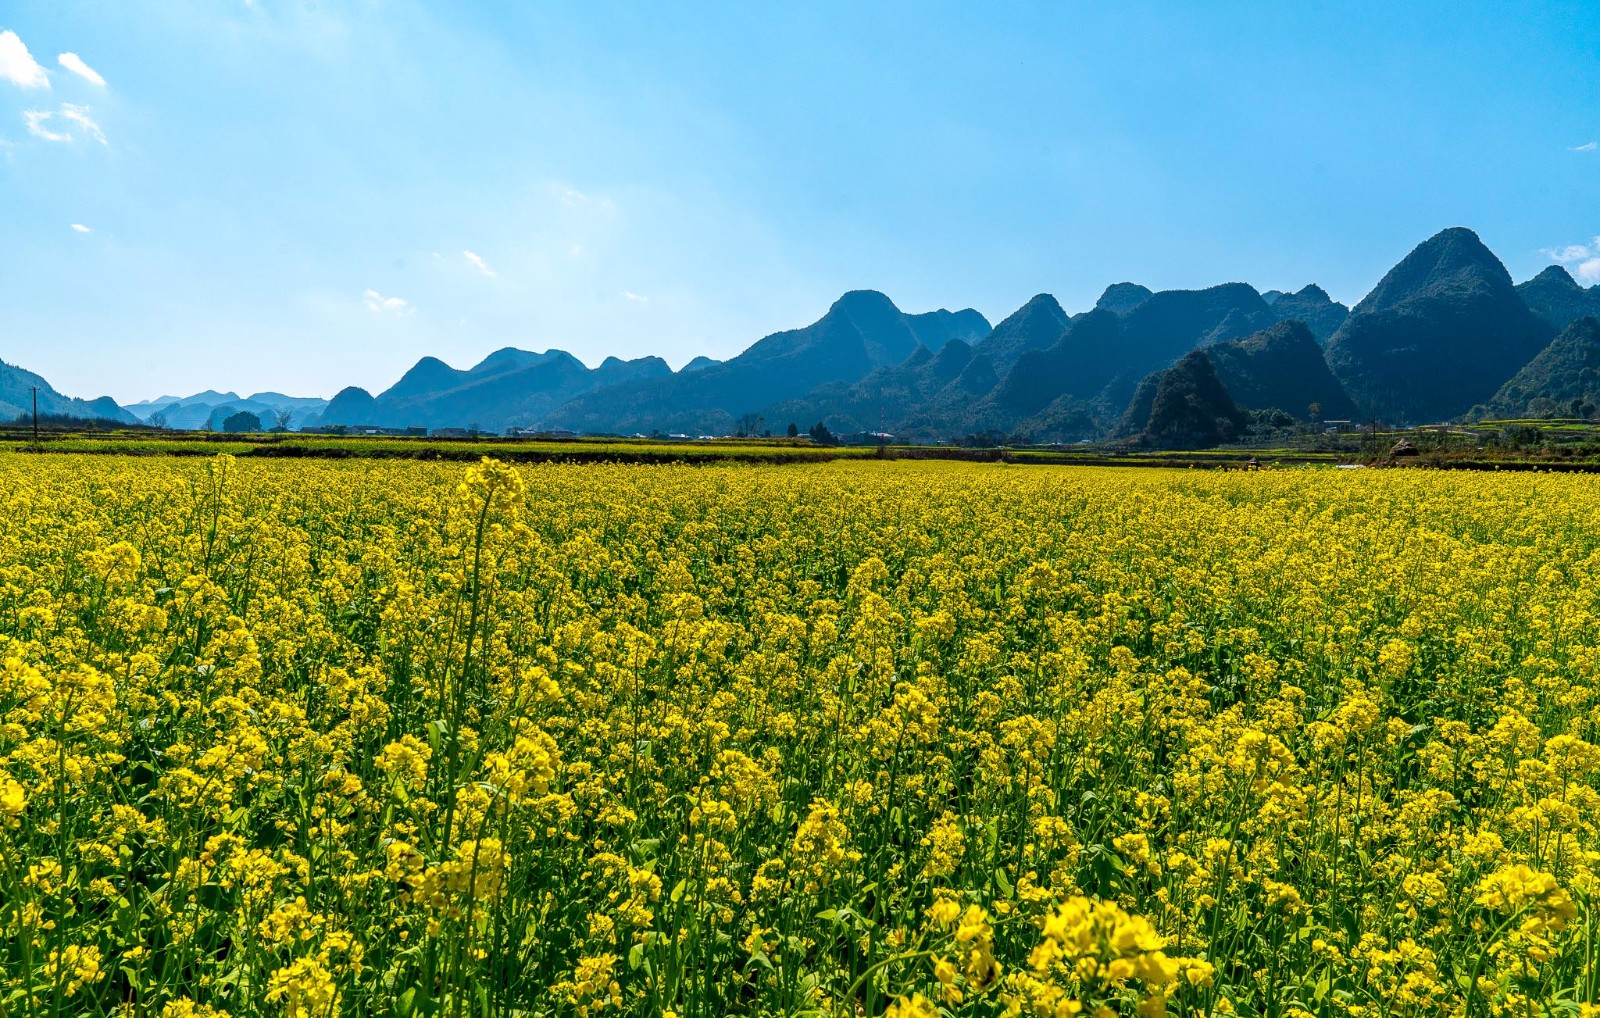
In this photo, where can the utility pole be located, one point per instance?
(35, 389)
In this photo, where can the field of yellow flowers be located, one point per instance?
(318, 739)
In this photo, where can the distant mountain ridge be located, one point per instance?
(863, 330)
(1445, 334)
(1439, 333)
(208, 409)
(1311, 305)
(889, 394)
(508, 388)
(1034, 326)
(1077, 387)
(1283, 368)
(1557, 298)
(17, 387)
(1562, 379)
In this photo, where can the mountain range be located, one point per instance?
(17, 390)
(1444, 335)
(207, 410)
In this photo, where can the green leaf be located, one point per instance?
(1005, 885)
(648, 848)
(436, 730)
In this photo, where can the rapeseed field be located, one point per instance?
(314, 740)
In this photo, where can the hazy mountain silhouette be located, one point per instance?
(1120, 298)
(351, 405)
(1311, 304)
(863, 330)
(210, 408)
(508, 388)
(16, 399)
(1077, 386)
(1034, 326)
(1076, 366)
(887, 397)
(197, 414)
(427, 377)
(210, 396)
(1157, 331)
(1170, 323)
(1440, 333)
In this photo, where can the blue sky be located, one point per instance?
(298, 196)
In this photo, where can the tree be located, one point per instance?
(749, 426)
(794, 431)
(1520, 436)
(281, 419)
(157, 419)
(821, 435)
(243, 421)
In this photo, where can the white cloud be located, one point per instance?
(80, 228)
(379, 304)
(80, 115)
(1582, 259)
(1570, 253)
(75, 64)
(36, 119)
(17, 64)
(41, 123)
(477, 262)
(638, 297)
(1587, 147)
(575, 198)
